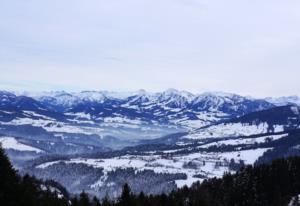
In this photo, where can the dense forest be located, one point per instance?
(274, 184)
(27, 191)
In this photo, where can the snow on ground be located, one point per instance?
(190, 124)
(122, 120)
(211, 116)
(34, 114)
(204, 164)
(7, 112)
(249, 156)
(246, 141)
(232, 130)
(48, 164)
(80, 115)
(53, 126)
(117, 127)
(12, 143)
(204, 119)
(80, 121)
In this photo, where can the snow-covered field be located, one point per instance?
(122, 128)
(232, 130)
(12, 143)
(49, 125)
(245, 141)
(201, 164)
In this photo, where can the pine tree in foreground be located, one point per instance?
(276, 184)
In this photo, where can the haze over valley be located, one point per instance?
(175, 138)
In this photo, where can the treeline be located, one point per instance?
(27, 191)
(275, 184)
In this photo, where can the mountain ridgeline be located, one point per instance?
(89, 122)
(155, 142)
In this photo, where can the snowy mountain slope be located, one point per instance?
(116, 120)
(178, 169)
(170, 138)
(273, 120)
(281, 101)
(228, 103)
(171, 106)
(187, 163)
(12, 143)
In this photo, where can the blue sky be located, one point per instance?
(247, 47)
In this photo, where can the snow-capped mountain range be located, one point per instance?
(111, 116)
(125, 116)
(169, 106)
(280, 101)
(173, 137)
(170, 98)
(98, 121)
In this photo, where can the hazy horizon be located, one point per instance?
(133, 92)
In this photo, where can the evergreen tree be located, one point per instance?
(9, 180)
(75, 201)
(95, 202)
(106, 202)
(84, 199)
(126, 196)
(276, 184)
(26, 191)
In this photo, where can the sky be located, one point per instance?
(249, 47)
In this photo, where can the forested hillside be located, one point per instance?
(27, 191)
(275, 184)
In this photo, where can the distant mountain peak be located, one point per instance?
(288, 100)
